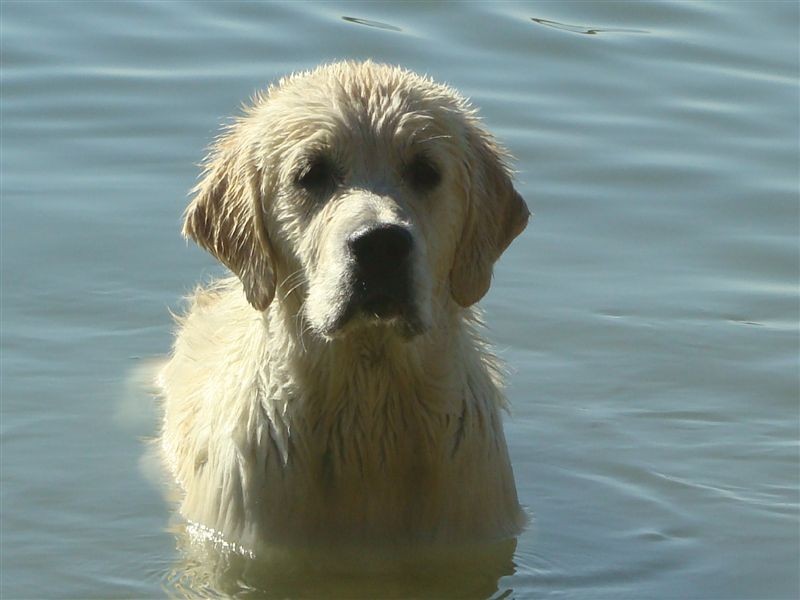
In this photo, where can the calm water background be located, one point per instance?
(650, 311)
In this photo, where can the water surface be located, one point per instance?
(649, 313)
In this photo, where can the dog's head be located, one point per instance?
(362, 192)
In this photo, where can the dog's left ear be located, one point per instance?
(226, 218)
(495, 216)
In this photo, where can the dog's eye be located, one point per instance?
(317, 176)
(422, 174)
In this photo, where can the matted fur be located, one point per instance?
(287, 421)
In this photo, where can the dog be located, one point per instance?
(337, 389)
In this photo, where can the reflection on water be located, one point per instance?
(208, 565)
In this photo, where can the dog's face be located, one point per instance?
(369, 193)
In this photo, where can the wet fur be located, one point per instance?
(282, 427)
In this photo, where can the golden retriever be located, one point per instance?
(337, 390)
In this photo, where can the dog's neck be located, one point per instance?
(375, 360)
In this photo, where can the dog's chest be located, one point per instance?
(369, 434)
(359, 462)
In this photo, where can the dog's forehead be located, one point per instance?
(362, 102)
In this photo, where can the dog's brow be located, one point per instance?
(313, 148)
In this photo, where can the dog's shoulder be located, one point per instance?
(215, 312)
(216, 321)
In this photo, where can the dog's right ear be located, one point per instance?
(226, 218)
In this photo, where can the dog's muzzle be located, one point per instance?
(381, 256)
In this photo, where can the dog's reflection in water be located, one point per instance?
(208, 567)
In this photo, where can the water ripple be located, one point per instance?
(368, 23)
(581, 29)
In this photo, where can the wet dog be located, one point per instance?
(337, 389)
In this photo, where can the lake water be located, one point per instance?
(649, 313)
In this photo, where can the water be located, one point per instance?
(650, 311)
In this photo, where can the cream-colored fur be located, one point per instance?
(287, 419)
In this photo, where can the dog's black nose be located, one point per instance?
(381, 248)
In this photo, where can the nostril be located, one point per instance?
(381, 247)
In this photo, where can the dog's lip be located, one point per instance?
(376, 309)
(381, 305)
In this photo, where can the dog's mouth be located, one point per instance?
(389, 306)
(382, 306)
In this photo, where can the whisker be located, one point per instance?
(299, 320)
(434, 137)
(290, 276)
